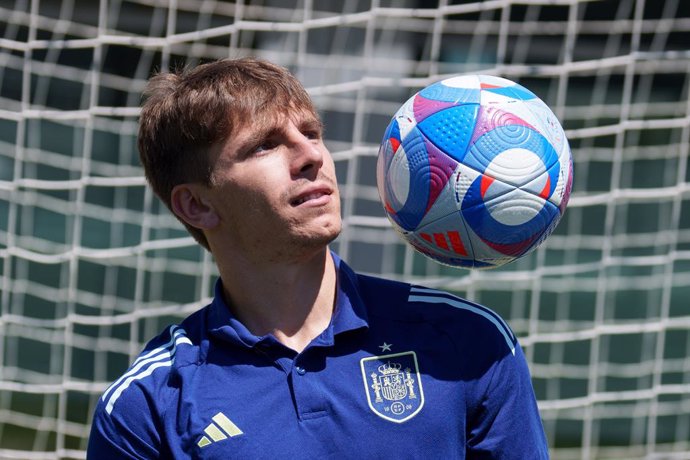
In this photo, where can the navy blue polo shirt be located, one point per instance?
(401, 372)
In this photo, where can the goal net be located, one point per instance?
(92, 265)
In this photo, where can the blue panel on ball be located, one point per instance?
(413, 210)
(440, 92)
(517, 92)
(451, 130)
(393, 130)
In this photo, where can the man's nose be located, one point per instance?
(307, 154)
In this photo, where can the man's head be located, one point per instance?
(187, 114)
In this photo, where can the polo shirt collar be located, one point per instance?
(349, 313)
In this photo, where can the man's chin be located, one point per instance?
(324, 238)
(316, 240)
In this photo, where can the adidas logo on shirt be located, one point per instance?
(218, 430)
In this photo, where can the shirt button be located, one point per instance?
(300, 370)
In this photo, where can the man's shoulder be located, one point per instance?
(475, 321)
(150, 378)
(147, 378)
(133, 408)
(453, 315)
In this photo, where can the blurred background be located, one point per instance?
(92, 265)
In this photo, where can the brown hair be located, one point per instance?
(186, 113)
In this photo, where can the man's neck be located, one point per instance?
(291, 300)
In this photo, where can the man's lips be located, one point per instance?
(313, 196)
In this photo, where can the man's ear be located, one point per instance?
(189, 203)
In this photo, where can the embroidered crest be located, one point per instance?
(393, 385)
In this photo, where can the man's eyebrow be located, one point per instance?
(261, 133)
(311, 124)
(255, 138)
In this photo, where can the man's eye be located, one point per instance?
(312, 134)
(269, 145)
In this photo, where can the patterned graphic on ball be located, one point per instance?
(474, 171)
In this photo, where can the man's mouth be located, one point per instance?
(315, 197)
(311, 196)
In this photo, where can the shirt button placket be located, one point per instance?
(308, 397)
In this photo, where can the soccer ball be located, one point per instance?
(474, 171)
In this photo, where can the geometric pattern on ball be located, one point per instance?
(484, 218)
(474, 171)
(511, 160)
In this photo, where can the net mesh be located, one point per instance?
(92, 265)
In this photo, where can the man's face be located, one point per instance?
(274, 187)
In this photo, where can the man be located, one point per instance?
(298, 356)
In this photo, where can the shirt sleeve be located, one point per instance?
(128, 431)
(506, 423)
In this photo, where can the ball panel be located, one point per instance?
(398, 190)
(464, 81)
(513, 138)
(491, 117)
(393, 133)
(496, 90)
(493, 80)
(516, 166)
(436, 241)
(554, 175)
(517, 209)
(441, 169)
(382, 178)
(458, 90)
(389, 146)
(445, 240)
(449, 199)
(408, 179)
(547, 122)
(451, 129)
(511, 92)
(404, 118)
(542, 186)
(511, 207)
(423, 107)
(493, 218)
(553, 131)
(565, 183)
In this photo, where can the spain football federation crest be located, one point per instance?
(393, 385)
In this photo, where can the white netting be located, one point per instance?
(92, 264)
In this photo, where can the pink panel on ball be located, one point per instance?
(424, 107)
(489, 118)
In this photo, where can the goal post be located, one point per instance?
(92, 265)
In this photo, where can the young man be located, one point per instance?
(298, 356)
